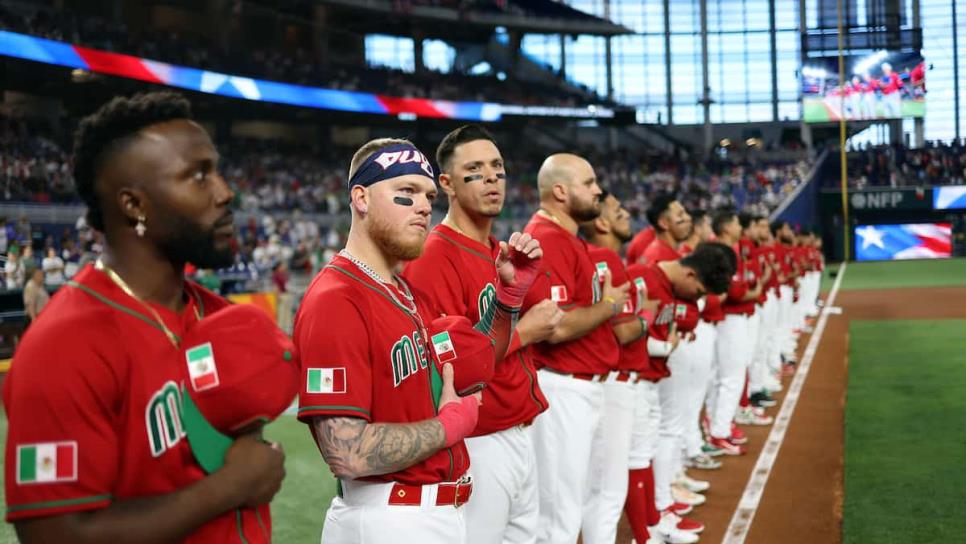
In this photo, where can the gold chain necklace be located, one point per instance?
(119, 281)
(549, 215)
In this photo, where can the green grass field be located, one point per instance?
(814, 110)
(298, 510)
(897, 274)
(903, 442)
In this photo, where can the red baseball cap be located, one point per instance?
(240, 370)
(455, 341)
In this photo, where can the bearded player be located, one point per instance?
(96, 450)
(458, 272)
(608, 477)
(388, 425)
(582, 349)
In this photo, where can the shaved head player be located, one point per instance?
(388, 425)
(96, 450)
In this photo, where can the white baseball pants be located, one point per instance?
(505, 501)
(563, 437)
(732, 349)
(607, 486)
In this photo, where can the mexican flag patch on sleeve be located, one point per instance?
(326, 380)
(47, 462)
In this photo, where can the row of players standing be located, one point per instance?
(603, 377)
(104, 445)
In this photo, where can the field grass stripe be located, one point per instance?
(748, 505)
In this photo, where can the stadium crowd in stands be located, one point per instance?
(293, 199)
(897, 166)
(298, 66)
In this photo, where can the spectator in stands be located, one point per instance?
(13, 270)
(35, 295)
(53, 267)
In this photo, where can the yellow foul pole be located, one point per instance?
(844, 178)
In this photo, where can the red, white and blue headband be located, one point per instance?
(392, 162)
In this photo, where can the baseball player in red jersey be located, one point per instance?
(760, 384)
(96, 449)
(611, 454)
(784, 239)
(700, 373)
(733, 345)
(388, 425)
(749, 414)
(891, 85)
(457, 271)
(671, 283)
(580, 352)
(673, 225)
(772, 355)
(638, 244)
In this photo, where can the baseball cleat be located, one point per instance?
(737, 435)
(726, 447)
(747, 416)
(762, 398)
(682, 495)
(689, 483)
(675, 528)
(703, 461)
(680, 508)
(710, 450)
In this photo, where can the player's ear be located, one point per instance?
(559, 192)
(359, 198)
(601, 225)
(446, 183)
(132, 202)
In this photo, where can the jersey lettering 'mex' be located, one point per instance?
(408, 356)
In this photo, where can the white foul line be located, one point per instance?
(748, 505)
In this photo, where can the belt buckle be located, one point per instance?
(464, 480)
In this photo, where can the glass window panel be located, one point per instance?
(786, 14)
(788, 111)
(390, 51)
(756, 15)
(543, 49)
(686, 114)
(759, 111)
(438, 55)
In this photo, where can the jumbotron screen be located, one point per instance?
(903, 241)
(883, 85)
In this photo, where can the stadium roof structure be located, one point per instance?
(474, 25)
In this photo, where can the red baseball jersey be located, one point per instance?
(366, 355)
(669, 310)
(712, 312)
(94, 407)
(771, 259)
(741, 283)
(633, 355)
(570, 281)
(635, 249)
(659, 251)
(458, 276)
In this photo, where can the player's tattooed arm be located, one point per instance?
(354, 448)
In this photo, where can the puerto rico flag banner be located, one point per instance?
(47, 462)
(326, 380)
(443, 347)
(201, 367)
(558, 293)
